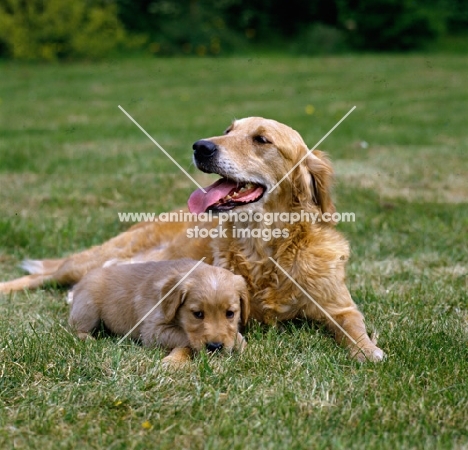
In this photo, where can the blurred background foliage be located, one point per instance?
(93, 29)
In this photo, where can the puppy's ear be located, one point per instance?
(321, 180)
(244, 300)
(175, 297)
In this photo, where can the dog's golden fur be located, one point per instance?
(202, 310)
(259, 151)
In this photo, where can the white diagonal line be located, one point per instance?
(312, 149)
(316, 304)
(160, 148)
(160, 301)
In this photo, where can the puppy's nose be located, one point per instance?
(204, 149)
(213, 346)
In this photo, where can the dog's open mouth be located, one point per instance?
(224, 195)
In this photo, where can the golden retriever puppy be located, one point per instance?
(158, 304)
(292, 268)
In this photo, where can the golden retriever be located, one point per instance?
(252, 156)
(161, 305)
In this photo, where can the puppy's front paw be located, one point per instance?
(84, 336)
(241, 343)
(177, 358)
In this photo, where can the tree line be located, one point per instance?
(91, 29)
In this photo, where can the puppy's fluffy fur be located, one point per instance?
(254, 154)
(204, 310)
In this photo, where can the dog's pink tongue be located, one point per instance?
(199, 202)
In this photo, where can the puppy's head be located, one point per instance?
(265, 166)
(209, 305)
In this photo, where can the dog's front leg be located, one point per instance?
(330, 301)
(338, 310)
(350, 331)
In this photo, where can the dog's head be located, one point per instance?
(209, 305)
(265, 166)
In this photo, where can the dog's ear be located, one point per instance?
(321, 180)
(244, 299)
(174, 297)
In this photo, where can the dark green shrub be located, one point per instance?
(52, 29)
(218, 26)
(457, 16)
(391, 24)
(319, 39)
(192, 27)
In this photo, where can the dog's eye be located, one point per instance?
(198, 314)
(261, 140)
(229, 314)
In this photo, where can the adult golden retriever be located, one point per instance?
(252, 156)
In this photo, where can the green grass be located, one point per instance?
(70, 160)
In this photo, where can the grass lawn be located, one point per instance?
(70, 160)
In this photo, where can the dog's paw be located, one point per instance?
(172, 364)
(241, 343)
(372, 354)
(178, 358)
(84, 336)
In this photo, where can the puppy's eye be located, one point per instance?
(230, 314)
(198, 314)
(261, 140)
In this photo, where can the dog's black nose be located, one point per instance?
(213, 346)
(204, 149)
